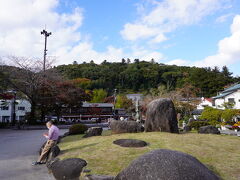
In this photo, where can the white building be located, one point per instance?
(205, 102)
(6, 109)
(229, 95)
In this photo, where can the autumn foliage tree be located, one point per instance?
(47, 92)
(63, 94)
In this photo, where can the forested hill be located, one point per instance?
(141, 76)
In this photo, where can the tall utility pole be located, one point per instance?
(46, 34)
(114, 100)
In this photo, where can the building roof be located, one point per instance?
(232, 88)
(85, 104)
(222, 95)
(134, 95)
(208, 99)
(228, 91)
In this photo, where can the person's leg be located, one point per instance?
(42, 158)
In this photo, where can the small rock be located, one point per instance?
(67, 169)
(130, 143)
(208, 130)
(93, 131)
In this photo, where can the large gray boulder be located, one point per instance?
(67, 169)
(93, 131)
(163, 164)
(208, 130)
(130, 143)
(98, 177)
(125, 127)
(161, 116)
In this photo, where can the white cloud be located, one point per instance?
(179, 62)
(166, 16)
(137, 31)
(22, 20)
(145, 54)
(85, 52)
(223, 18)
(228, 50)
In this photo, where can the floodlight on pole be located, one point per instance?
(46, 34)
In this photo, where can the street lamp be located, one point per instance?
(46, 34)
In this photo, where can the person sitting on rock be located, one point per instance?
(52, 138)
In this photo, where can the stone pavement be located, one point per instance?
(18, 149)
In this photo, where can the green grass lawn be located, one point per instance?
(220, 153)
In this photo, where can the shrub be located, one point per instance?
(3, 125)
(212, 115)
(77, 129)
(228, 114)
(197, 124)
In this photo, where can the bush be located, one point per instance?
(212, 115)
(3, 125)
(77, 129)
(228, 114)
(197, 124)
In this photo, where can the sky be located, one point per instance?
(202, 33)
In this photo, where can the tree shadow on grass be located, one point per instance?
(78, 148)
(71, 138)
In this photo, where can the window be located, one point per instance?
(106, 110)
(4, 108)
(231, 100)
(21, 118)
(21, 108)
(5, 118)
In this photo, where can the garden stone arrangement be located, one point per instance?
(93, 131)
(165, 164)
(208, 130)
(130, 143)
(68, 169)
(161, 116)
(125, 127)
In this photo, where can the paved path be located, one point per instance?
(230, 132)
(18, 149)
